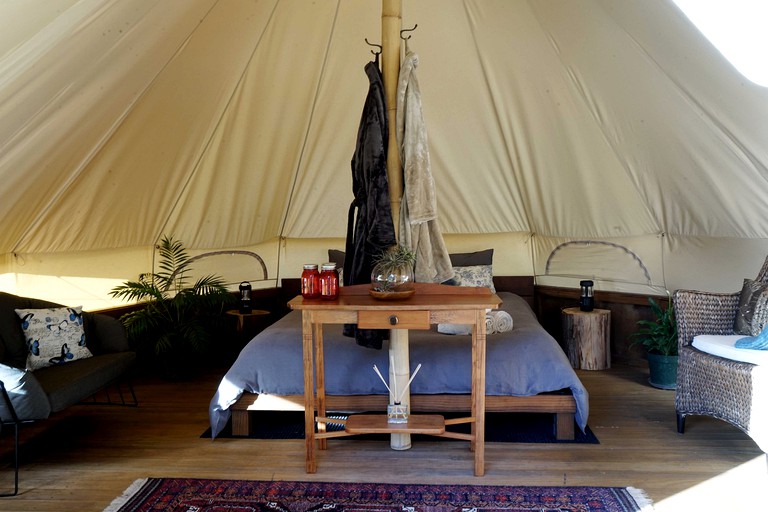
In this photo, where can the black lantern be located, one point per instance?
(245, 297)
(587, 299)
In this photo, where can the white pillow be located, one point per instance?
(723, 346)
(53, 336)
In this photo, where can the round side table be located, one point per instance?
(587, 335)
(242, 316)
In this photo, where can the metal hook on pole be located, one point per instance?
(376, 45)
(408, 30)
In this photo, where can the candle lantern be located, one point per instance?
(245, 297)
(587, 299)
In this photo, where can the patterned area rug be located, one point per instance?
(185, 495)
(499, 428)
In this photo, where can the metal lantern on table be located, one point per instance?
(245, 297)
(587, 298)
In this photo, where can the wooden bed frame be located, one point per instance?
(563, 406)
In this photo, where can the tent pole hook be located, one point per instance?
(374, 52)
(408, 30)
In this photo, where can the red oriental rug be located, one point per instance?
(180, 494)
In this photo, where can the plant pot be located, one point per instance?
(663, 371)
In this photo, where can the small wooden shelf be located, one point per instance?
(431, 424)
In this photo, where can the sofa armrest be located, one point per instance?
(105, 334)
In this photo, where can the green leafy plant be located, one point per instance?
(393, 269)
(658, 336)
(176, 319)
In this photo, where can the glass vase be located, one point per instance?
(388, 282)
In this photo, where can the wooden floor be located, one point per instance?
(81, 459)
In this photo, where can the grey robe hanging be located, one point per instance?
(419, 229)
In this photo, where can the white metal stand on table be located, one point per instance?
(431, 304)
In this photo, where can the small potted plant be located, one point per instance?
(392, 275)
(659, 337)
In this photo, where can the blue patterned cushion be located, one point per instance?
(53, 336)
(759, 342)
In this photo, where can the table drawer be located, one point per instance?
(393, 319)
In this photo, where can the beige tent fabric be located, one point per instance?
(231, 124)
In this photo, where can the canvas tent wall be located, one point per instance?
(588, 138)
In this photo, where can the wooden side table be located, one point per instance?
(587, 336)
(432, 304)
(242, 316)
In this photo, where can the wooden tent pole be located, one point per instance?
(391, 22)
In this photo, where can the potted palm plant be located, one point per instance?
(176, 320)
(659, 337)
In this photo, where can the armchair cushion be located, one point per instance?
(752, 314)
(725, 346)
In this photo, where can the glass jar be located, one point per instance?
(329, 282)
(310, 282)
(388, 280)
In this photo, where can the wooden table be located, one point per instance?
(240, 316)
(431, 304)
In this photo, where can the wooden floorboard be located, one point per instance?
(83, 458)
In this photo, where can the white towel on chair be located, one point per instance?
(498, 321)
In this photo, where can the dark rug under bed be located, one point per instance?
(500, 428)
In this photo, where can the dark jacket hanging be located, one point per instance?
(371, 231)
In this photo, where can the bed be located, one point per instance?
(526, 371)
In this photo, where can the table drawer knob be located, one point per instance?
(393, 320)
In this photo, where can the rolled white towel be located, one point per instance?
(501, 321)
(488, 323)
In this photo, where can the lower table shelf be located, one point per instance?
(431, 424)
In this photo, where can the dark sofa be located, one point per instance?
(27, 395)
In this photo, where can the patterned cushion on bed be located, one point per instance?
(474, 275)
(471, 275)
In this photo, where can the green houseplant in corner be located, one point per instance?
(659, 337)
(174, 325)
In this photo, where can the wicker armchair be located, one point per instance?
(713, 386)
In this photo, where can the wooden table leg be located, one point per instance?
(320, 381)
(309, 392)
(478, 392)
